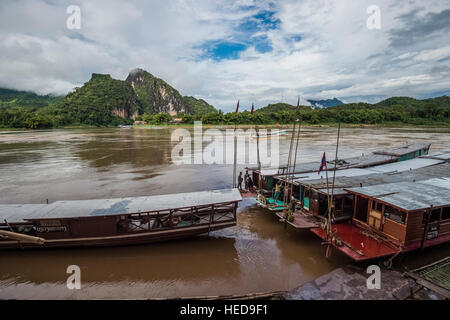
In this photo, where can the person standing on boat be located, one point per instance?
(240, 179)
(246, 179)
(293, 203)
(277, 190)
(250, 183)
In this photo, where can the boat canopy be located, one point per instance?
(107, 207)
(394, 167)
(404, 150)
(425, 173)
(410, 196)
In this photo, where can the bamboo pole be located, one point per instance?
(295, 157)
(285, 196)
(259, 159)
(22, 237)
(235, 156)
(332, 186)
(296, 146)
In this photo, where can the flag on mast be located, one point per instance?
(237, 108)
(323, 163)
(253, 108)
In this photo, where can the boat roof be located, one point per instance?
(404, 150)
(409, 195)
(395, 167)
(117, 206)
(365, 160)
(425, 173)
(354, 162)
(440, 155)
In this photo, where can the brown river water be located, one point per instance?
(257, 255)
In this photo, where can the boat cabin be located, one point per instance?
(414, 214)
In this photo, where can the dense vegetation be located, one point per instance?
(393, 110)
(28, 100)
(101, 101)
(199, 106)
(104, 101)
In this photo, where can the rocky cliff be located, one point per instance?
(155, 95)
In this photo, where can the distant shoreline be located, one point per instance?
(241, 126)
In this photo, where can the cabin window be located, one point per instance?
(435, 215)
(307, 193)
(394, 214)
(377, 206)
(348, 203)
(338, 204)
(446, 213)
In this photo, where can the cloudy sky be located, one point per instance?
(221, 51)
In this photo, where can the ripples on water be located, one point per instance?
(257, 255)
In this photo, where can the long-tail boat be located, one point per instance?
(113, 222)
(313, 201)
(269, 176)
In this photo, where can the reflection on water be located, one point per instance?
(257, 255)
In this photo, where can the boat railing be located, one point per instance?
(177, 218)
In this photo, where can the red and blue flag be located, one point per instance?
(323, 163)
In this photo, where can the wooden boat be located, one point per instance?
(393, 218)
(313, 193)
(269, 176)
(114, 222)
(270, 134)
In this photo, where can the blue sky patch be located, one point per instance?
(244, 36)
(220, 50)
(262, 44)
(260, 22)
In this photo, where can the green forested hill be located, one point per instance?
(16, 99)
(435, 111)
(100, 101)
(199, 106)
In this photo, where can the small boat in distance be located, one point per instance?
(270, 134)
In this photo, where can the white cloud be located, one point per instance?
(336, 57)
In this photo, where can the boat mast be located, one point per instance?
(235, 148)
(286, 178)
(296, 146)
(289, 174)
(257, 154)
(330, 199)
